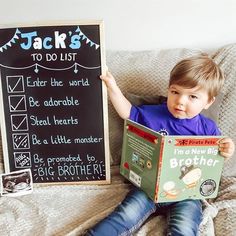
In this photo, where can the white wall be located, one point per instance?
(138, 24)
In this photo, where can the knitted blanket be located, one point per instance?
(70, 210)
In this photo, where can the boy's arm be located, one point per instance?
(119, 101)
(226, 147)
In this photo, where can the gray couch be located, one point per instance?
(71, 209)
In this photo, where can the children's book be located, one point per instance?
(171, 168)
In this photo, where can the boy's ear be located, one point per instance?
(211, 101)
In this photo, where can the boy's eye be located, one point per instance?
(174, 92)
(193, 97)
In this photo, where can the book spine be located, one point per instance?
(159, 169)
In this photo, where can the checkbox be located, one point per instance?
(20, 141)
(22, 159)
(19, 122)
(17, 103)
(15, 84)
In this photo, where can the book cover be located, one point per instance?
(171, 168)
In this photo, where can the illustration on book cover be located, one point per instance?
(194, 167)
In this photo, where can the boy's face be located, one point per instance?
(185, 103)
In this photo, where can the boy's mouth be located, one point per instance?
(179, 110)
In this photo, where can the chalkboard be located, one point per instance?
(53, 104)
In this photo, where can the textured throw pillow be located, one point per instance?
(226, 58)
(1, 157)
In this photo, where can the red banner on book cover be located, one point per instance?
(149, 137)
(197, 142)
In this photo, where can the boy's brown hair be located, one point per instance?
(199, 71)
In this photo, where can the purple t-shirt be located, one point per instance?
(158, 118)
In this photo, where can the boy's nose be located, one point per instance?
(181, 100)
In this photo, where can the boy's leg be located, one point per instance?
(184, 218)
(127, 217)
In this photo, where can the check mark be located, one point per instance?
(20, 141)
(15, 84)
(17, 103)
(19, 122)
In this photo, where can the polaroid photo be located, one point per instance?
(16, 183)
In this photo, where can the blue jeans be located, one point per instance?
(184, 217)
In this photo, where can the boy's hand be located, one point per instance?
(109, 80)
(226, 147)
(119, 101)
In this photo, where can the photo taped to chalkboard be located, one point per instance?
(16, 183)
(53, 106)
